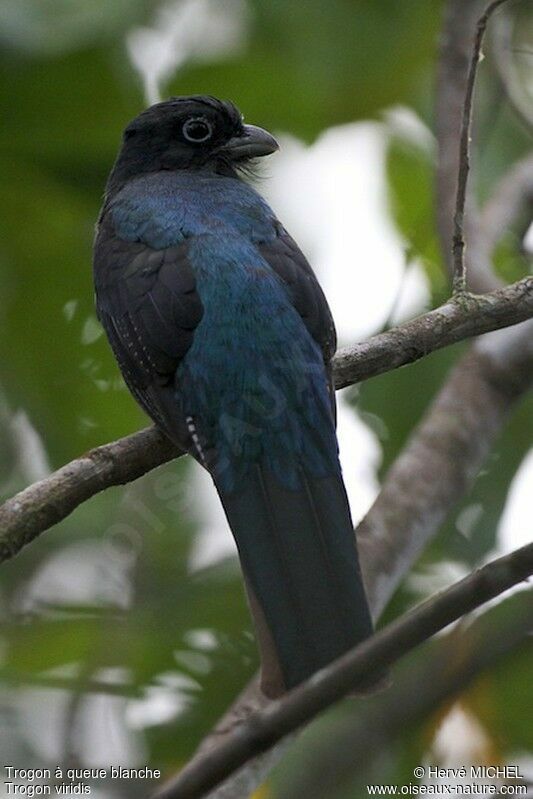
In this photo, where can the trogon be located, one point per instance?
(224, 337)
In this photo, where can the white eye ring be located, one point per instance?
(197, 130)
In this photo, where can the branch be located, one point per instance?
(440, 462)
(458, 242)
(421, 686)
(264, 729)
(455, 47)
(47, 502)
(456, 320)
(35, 509)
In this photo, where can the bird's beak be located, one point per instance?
(251, 143)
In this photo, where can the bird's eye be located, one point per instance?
(197, 130)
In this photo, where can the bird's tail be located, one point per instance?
(300, 562)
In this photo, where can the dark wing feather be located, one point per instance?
(291, 265)
(149, 307)
(288, 261)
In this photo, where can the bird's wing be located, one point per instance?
(148, 304)
(149, 307)
(290, 264)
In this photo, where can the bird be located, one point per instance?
(224, 337)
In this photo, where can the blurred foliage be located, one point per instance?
(52, 27)
(140, 613)
(399, 399)
(410, 171)
(350, 62)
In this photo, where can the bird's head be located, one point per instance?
(197, 132)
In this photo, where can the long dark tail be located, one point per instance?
(298, 554)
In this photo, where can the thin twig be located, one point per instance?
(455, 47)
(458, 242)
(40, 506)
(264, 729)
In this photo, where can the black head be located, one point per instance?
(197, 132)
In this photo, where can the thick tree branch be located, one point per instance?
(421, 686)
(47, 502)
(438, 464)
(456, 320)
(267, 727)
